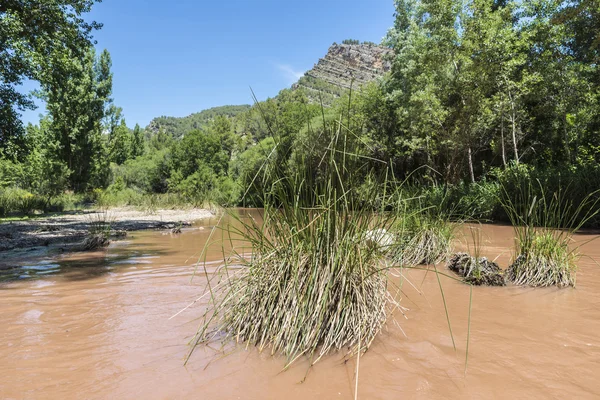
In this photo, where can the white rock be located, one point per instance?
(379, 237)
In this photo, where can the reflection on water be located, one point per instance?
(96, 325)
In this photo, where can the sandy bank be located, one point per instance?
(70, 228)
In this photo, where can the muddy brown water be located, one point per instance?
(96, 326)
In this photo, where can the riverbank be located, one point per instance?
(63, 232)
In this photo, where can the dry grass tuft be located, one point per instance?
(421, 240)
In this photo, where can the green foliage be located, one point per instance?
(36, 39)
(66, 201)
(137, 142)
(198, 149)
(10, 172)
(118, 196)
(77, 98)
(252, 168)
(148, 173)
(198, 184)
(227, 192)
(120, 144)
(20, 201)
(161, 140)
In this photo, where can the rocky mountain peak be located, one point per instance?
(346, 65)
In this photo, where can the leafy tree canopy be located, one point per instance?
(37, 38)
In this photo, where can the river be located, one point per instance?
(97, 326)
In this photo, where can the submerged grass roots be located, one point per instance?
(95, 241)
(476, 270)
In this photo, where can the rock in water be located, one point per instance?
(95, 241)
(379, 238)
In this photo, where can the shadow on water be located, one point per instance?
(136, 249)
(82, 265)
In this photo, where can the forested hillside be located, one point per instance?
(177, 127)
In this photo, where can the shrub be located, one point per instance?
(147, 173)
(18, 200)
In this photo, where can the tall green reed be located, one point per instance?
(544, 225)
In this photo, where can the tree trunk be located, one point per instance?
(566, 139)
(514, 134)
(471, 166)
(502, 139)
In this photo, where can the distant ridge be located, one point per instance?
(179, 126)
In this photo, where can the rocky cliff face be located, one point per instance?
(346, 65)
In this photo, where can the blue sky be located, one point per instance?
(182, 56)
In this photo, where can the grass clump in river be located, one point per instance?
(544, 227)
(99, 226)
(314, 283)
(545, 261)
(422, 237)
(311, 285)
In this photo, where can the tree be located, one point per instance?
(121, 144)
(161, 140)
(35, 36)
(197, 149)
(581, 19)
(44, 174)
(253, 170)
(423, 84)
(77, 98)
(493, 56)
(137, 143)
(221, 127)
